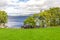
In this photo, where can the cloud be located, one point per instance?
(23, 8)
(2, 3)
(26, 7)
(53, 3)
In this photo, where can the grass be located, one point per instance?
(30, 34)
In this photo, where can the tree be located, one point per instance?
(3, 17)
(55, 15)
(50, 17)
(30, 20)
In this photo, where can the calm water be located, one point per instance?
(16, 21)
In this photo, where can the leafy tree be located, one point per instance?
(3, 17)
(30, 21)
(50, 17)
(55, 13)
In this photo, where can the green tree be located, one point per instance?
(3, 17)
(50, 17)
(30, 20)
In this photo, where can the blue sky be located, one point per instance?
(23, 0)
(26, 7)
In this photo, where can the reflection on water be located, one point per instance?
(16, 21)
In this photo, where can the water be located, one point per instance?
(16, 21)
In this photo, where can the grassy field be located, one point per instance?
(30, 34)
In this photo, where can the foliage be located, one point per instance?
(3, 17)
(30, 21)
(50, 17)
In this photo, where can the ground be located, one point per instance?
(30, 34)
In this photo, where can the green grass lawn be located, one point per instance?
(30, 34)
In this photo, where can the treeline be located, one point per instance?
(46, 18)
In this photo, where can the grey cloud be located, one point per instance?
(29, 8)
(52, 3)
(3, 3)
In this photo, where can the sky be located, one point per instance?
(26, 7)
